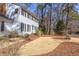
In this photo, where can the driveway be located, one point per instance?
(39, 46)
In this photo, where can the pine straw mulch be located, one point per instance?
(65, 49)
(12, 49)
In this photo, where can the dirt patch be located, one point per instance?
(65, 49)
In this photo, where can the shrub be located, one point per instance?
(26, 36)
(67, 36)
(39, 32)
(60, 26)
(43, 29)
(13, 35)
(3, 38)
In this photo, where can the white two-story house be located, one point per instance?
(15, 17)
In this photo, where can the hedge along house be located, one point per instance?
(15, 17)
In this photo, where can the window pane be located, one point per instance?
(2, 26)
(32, 27)
(25, 27)
(30, 17)
(22, 12)
(28, 28)
(22, 27)
(26, 14)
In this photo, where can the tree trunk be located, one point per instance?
(50, 20)
(66, 29)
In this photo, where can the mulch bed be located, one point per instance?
(32, 37)
(65, 49)
(12, 49)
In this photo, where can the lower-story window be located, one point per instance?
(25, 27)
(28, 28)
(2, 26)
(35, 28)
(22, 27)
(32, 27)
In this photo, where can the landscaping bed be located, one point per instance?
(65, 49)
(11, 45)
(32, 37)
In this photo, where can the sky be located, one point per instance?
(32, 7)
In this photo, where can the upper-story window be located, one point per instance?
(22, 13)
(16, 11)
(34, 18)
(30, 17)
(25, 14)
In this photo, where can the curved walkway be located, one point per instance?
(42, 45)
(39, 46)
